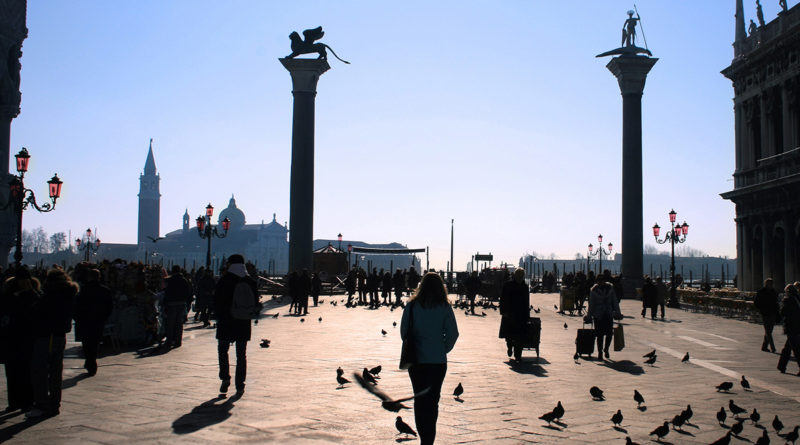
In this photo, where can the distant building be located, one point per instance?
(765, 72)
(149, 200)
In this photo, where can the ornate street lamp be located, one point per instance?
(599, 252)
(22, 197)
(90, 243)
(677, 234)
(207, 231)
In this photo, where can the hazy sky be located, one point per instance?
(496, 114)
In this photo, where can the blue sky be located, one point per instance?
(496, 114)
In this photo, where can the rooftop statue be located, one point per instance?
(628, 44)
(307, 45)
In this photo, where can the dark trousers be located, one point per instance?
(426, 407)
(18, 376)
(792, 344)
(174, 324)
(241, 361)
(769, 325)
(471, 298)
(46, 371)
(515, 347)
(90, 345)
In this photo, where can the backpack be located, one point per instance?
(243, 303)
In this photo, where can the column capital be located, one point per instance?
(305, 73)
(631, 72)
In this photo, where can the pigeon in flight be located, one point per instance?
(366, 376)
(745, 384)
(724, 440)
(596, 393)
(155, 240)
(388, 403)
(651, 360)
(637, 396)
(458, 391)
(724, 386)
(616, 419)
(721, 416)
(661, 431)
(735, 409)
(650, 354)
(685, 358)
(403, 427)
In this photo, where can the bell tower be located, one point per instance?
(149, 199)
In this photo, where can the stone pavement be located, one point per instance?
(292, 396)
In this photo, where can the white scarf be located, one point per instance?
(237, 269)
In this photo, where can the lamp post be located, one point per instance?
(208, 231)
(21, 197)
(599, 252)
(90, 243)
(677, 234)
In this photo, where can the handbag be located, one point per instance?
(408, 352)
(619, 338)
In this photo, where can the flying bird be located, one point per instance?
(724, 386)
(745, 384)
(376, 370)
(764, 439)
(157, 239)
(724, 440)
(403, 427)
(387, 403)
(685, 358)
(596, 393)
(735, 409)
(616, 419)
(737, 427)
(368, 377)
(721, 416)
(755, 417)
(661, 431)
(777, 424)
(458, 391)
(651, 360)
(637, 396)
(650, 354)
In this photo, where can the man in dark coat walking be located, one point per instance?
(93, 305)
(766, 301)
(515, 312)
(791, 326)
(177, 295)
(230, 329)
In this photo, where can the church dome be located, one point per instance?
(232, 213)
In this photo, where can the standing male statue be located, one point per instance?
(759, 13)
(629, 30)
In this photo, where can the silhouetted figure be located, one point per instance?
(473, 286)
(766, 301)
(515, 311)
(362, 286)
(435, 333)
(399, 284)
(649, 298)
(350, 286)
(52, 320)
(661, 295)
(373, 283)
(204, 295)
(603, 310)
(386, 287)
(293, 286)
(316, 288)
(20, 293)
(412, 279)
(177, 294)
(629, 30)
(791, 326)
(93, 305)
(303, 291)
(230, 329)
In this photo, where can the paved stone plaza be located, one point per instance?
(292, 395)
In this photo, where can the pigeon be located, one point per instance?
(376, 370)
(302, 320)
(319, 319)
(548, 417)
(368, 377)
(755, 417)
(536, 310)
(339, 371)
(637, 396)
(458, 391)
(555, 306)
(394, 324)
(687, 414)
(737, 427)
(559, 410)
(628, 441)
(383, 331)
(483, 314)
(661, 431)
(651, 360)
(616, 419)
(792, 437)
(596, 393)
(721, 416)
(265, 342)
(745, 384)
(403, 427)
(341, 380)
(764, 439)
(565, 326)
(678, 421)
(735, 409)
(685, 358)
(275, 315)
(777, 424)
(387, 403)
(724, 440)
(650, 354)
(724, 386)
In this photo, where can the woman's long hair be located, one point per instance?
(431, 291)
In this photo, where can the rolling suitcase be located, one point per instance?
(584, 343)
(533, 332)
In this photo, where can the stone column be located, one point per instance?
(305, 74)
(631, 73)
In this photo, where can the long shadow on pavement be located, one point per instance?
(623, 366)
(206, 414)
(73, 381)
(529, 367)
(10, 431)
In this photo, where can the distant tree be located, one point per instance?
(552, 256)
(579, 256)
(40, 240)
(27, 240)
(57, 241)
(650, 249)
(686, 251)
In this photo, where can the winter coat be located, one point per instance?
(514, 308)
(178, 291)
(766, 301)
(434, 330)
(791, 314)
(53, 312)
(229, 328)
(93, 305)
(649, 295)
(603, 304)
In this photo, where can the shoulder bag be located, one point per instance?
(408, 352)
